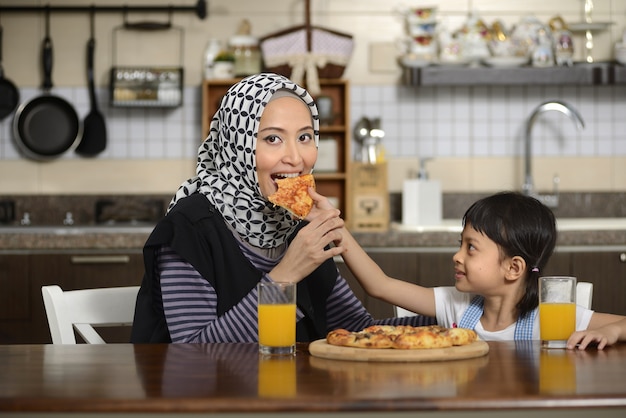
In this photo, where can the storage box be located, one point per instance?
(370, 197)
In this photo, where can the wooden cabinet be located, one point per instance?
(422, 267)
(430, 268)
(336, 130)
(22, 315)
(607, 271)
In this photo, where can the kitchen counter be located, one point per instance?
(513, 379)
(572, 232)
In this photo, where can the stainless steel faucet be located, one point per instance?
(551, 200)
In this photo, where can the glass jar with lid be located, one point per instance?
(247, 54)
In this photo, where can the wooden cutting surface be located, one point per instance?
(321, 348)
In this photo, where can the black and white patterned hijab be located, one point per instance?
(226, 171)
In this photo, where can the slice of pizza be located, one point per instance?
(293, 194)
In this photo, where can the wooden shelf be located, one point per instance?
(330, 184)
(579, 74)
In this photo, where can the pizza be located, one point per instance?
(403, 337)
(293, 194)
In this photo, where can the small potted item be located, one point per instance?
(224, 65)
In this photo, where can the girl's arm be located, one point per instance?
(376, 283)
(605, 335)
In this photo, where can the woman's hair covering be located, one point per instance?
(226, 171)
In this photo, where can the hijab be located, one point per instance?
(226, 170)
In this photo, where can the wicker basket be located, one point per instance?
(314, 51)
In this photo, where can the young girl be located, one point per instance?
(506, 242)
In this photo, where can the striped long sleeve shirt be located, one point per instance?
(190, 304)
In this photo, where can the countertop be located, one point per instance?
(572, 232)
(513, 379)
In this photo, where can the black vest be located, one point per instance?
(196, 231)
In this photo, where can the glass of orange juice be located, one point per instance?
(277, 318)
(557, 310)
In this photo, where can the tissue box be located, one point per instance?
(421, 202)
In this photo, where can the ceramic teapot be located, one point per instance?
(528, 34)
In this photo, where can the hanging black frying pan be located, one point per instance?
(46, 126)
(9, 94)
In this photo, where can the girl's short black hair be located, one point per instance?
(521, 226)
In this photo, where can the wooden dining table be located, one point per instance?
(513, 379)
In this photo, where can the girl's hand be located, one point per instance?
(604, 336)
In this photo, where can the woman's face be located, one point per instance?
(285, 144)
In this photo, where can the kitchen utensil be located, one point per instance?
(361, 133)
(94, 129)
(46, 126)
(9, 94)
(147, 86)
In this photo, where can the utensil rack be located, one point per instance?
(200, 9)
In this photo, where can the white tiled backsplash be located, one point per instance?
(418, 122)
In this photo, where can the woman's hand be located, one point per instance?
(321, 204)
(308, 249)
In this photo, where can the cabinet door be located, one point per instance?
(15, 304)
(401, 265)
(79, 271)
(436, 269)
(607, 272)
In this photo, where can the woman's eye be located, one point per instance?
(306, 137)
(271, 139)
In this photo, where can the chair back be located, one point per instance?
(80, 309)
(584, 294)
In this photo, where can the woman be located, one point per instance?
(221, 236)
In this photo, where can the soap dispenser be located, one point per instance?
(421, 199)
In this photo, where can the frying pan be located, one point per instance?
(9, 94)
(46, 126)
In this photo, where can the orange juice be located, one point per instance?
(277, 325)
(277, 377)
(557, 321)
(557, 372)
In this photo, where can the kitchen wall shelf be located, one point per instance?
(579, 74)
(619, 74)
(335, 184)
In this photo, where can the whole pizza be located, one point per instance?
(404, 337)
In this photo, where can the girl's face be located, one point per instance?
(285, 144)
(479, 266)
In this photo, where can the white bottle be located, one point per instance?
(214, 46)
(421, 200)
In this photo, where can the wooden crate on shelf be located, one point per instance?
(336, 127)
(370, 198)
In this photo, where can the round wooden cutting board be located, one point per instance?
(321, 348)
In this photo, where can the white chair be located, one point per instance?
(80, 309)
(584, 295)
